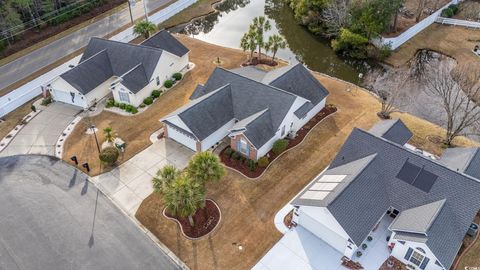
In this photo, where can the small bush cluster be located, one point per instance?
(177, 76)
(126, 107)
(280, 146)
(263, 162)
(232, 154)
(109, 155)
(168, 83)
(364, 246)
(156, 93)
(47, 101)
(450, 11)
(148, 101)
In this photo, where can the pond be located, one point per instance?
(227, 27)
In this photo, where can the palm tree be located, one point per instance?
(184, 197)
(261, 25)
(249, 41)
(109, 134)
(205, 167)
(144, 28)
(164, 177)
(276, 42)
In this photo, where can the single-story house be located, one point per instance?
(429, 203)
(251, 107)
(131, 72)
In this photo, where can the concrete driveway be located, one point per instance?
(52, 218)
(40, 135)
(130, 183)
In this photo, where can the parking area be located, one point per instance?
(130, 183)
(40, 135)
(53, 218)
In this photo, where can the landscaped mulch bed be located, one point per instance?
(205, 220)
(242, 166)
(287, 220)
(263, 61)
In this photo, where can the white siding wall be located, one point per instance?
(61, 92)
(320, 222)
(99, 92)
(217, 135)
(400, 250)
(301, 122)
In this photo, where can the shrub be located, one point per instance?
(279, 146)
(168, 83)
(228, 152)
(46, 101)
(453, 8)
(359, 253)
(110, 103)
(142, 105)
(252, 165)
(109, 155)
(350, 44)
(263, 162)
(177, 76)
(236, 156)
(156, 93)
(364, 246)
(129, 108)
(134, 110)
(148, 101)
(448, 13)
(116, 104)
(122, 106)
(369, 238)
(34, 109)
(243, 159)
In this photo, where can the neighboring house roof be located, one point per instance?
(393, 130)
(466, 160)
(135, 64)
(90, 73)
(165, 41)
(249, 96)
(389, 180)
(135, 79)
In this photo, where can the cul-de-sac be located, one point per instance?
(240, 134)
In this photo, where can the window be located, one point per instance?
(124, 97)
(243, 147)
(283, 131)
(416, 258)
(158, 80)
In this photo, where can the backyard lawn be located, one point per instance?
(454, 41)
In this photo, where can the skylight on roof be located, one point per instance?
(322, 187)
(315, 195)
(332, 178)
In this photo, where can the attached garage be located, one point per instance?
(69, 97)
(181, 137)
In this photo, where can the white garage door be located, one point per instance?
(66, 97)
(181, 138)
(324, 233)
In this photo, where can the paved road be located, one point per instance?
(52, 218)
(40, 135)
(42, 57)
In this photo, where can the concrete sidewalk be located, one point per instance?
(49, 54)
(130, 183)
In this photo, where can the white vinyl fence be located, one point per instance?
(396, 42)
(28, 91)
(456, 22)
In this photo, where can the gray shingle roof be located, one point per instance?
(299, 81)
(165, 41)
(246, 97)
(417, 219)
(260, 130)
(304, 109)
(363, 202)
(466, 160)
(90, 73)
(135, 79)
(393, 130)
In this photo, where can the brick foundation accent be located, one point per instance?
(165, 131)
(199, 146)
(233, 145)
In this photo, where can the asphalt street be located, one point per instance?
(52, 218)
(49, 54)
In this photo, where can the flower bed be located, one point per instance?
(205, 220)
(242, 165)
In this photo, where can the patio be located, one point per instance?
(300, 249)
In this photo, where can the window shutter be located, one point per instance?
(409, 253)
(247, 150)
(424, 263)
